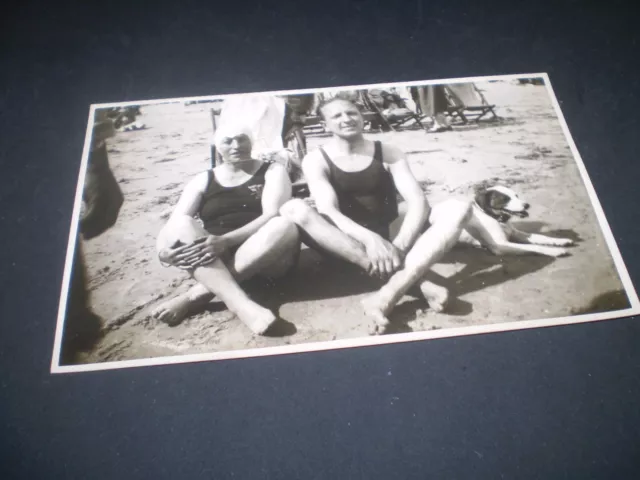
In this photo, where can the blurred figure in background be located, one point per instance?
(432, 100)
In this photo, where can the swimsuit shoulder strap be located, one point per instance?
(211, 181)
(326, 157)
(377, 152)
(263, 169)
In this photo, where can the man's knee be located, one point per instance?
(296, 211)
(456, 210)
(496, 248)
(280, 228)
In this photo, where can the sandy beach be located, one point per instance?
(526, 150)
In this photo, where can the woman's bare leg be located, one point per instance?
(173, 311)
(219, 281)
(217, 278)
(176, 309)
(446, 222)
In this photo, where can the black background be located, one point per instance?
(549, 403)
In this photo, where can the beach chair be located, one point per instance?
(313, 125)
(390, 109)
(289, 152)
(466, 102)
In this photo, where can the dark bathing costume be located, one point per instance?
(367, 197)
(225, 209)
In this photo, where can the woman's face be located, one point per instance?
(235, 149)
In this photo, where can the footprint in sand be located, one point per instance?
(170, 186)
(165, 160)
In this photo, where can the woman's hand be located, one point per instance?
(178, 255)
(200, 252)
(205, 250)
(174, 256)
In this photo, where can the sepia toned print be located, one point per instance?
(279, 222)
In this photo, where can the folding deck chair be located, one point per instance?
(377, 100)
(467, 102)
(292, 135)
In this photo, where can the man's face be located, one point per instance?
(342, 118)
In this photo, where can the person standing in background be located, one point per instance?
(432, 100)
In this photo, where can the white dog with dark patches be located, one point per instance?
(492, 211)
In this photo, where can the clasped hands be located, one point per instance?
(201, 251)
(385, 258)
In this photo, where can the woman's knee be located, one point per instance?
(296, 211)
(183, 228)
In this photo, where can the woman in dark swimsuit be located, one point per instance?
(239, 235)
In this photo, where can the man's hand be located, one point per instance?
(202, 251)
(385, 258)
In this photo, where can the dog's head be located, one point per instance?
(501, 203)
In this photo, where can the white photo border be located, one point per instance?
(622, 271)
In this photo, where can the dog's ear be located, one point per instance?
(497, 200)
(482, 198)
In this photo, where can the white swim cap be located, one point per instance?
(231, 130)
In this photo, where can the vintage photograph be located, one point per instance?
(269, 223)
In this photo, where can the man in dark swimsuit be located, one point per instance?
(353, 182)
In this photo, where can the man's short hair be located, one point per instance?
(343, 96)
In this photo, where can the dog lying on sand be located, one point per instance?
(492, 210)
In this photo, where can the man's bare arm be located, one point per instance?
(316, 173)
(409, 188)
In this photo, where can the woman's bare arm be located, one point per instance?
(276, 192)
(188, 205)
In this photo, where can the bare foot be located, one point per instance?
(257, 318)
(435, 295)
(373, 310)
(173, 311)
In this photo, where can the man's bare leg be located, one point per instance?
(447, 221)
(435, 295)
(325, 235)
(271, 251)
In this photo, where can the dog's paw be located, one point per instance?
(558, 252)
(564, 242)
(556, 242)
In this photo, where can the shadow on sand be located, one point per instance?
(532, 226)
(317, 277)
(481, 270)
(606, 302)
